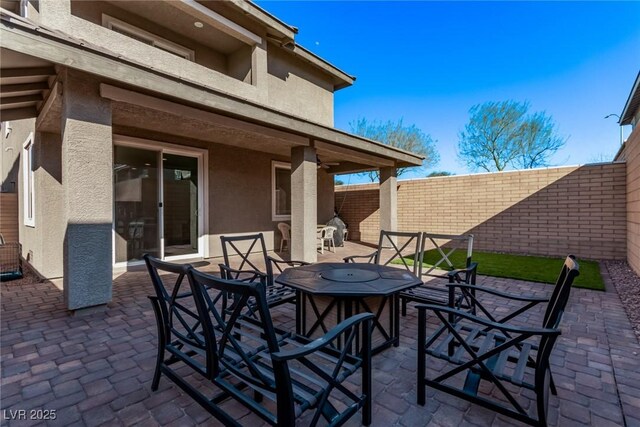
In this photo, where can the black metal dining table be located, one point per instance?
(328, 293)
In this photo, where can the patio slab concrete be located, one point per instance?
(97, 369)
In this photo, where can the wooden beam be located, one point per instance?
(356, 156)
(27, 72)
(20, 99)
(135, 98)
(18, 114)
(23, 89)
(349, 167)
(25, 75)
(55, 96)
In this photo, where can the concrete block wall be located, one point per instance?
(631, 155)
(551, 212)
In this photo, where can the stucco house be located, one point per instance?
(629, 152)
(157, 126)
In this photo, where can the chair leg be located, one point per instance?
(161, 343)
(552, 385)
(421, 369)
(281, 244)
(157, 373)
(542, 410)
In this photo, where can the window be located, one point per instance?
(281, 191)
(27, 175)
(145, 37)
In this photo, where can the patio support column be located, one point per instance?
(388, 199)
(304, 201)
(87, 180)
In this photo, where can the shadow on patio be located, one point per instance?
(97, 368)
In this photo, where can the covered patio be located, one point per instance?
(134, 160)
(96, 369)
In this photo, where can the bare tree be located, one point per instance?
(396, 134)
(440, 173)
(501, 134)
(538, 142)
(489, 140)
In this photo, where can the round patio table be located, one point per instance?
(328, 293)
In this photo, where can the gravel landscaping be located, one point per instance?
(627, 284)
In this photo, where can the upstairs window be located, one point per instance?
(145, 37)
(27, 179)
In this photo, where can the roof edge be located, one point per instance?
(634, 98)
(266, 18)
(16, 25)
(344, 79)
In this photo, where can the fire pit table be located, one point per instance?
(328, 293)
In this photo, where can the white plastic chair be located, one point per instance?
(285, 230)
(325, 235)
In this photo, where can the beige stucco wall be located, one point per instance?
(42, 244)
(551, 212)
(92, 11)
(11, 147)
(264, 73)
(11, 174)
(240, 195)
(298, 88)
(631, 155)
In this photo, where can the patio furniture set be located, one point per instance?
(221, 328)
(326, 236)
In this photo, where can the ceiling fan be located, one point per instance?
(325, 165)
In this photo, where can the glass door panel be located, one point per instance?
(180, 211)
(135, 175)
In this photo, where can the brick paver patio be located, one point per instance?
(96, 369)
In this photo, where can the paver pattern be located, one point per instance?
(96, 369)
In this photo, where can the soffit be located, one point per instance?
(139, 121)
(11, 5)
(25, 83)
(165, 14)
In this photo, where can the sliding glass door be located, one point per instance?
(135, 195)
(180, 191)
(157, 203)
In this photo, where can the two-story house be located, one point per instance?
(137, 127)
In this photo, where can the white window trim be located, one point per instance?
(277, 165)
(156, 41)
(24, 8)
(27, 178)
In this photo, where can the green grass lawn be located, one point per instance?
(531, 268)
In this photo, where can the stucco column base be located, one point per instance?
(88, 311)
(388, 199)
(304, 202)
(87, 178)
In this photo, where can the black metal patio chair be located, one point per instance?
(436, 291)
(492, 350)
(277, 375)
(237, 251)
(177, 321)
(394, 247)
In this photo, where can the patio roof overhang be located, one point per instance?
(133, 85)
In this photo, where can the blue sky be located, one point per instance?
(429, 62)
